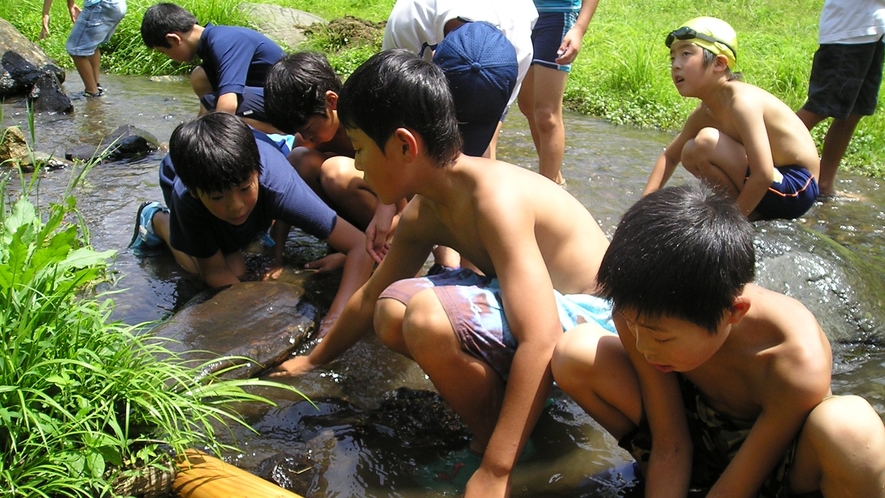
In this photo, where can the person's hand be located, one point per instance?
(484, 484)
(376, 242)
(569, 48)
(327, 263)
(326, 324)
(75, 13)
(272, 273)
(293, 367)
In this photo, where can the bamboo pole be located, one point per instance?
(204, 476)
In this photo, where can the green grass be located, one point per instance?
(621, 75)
(84, 400)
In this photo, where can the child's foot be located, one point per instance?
(144, 240)
(89, 95)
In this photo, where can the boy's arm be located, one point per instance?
(227, 102)
(750, 126)
(792, 390)
(672, 156)
(214, 271)
(571, 42)
(508, 235)
(669, 467)
(407, 254)
(347, 239)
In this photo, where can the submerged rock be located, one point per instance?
(845, 293)
(126, 143)
(261, 321)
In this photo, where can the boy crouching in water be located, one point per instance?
(739, 137)
(715, 382)
(484, 340)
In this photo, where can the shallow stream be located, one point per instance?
(606, 167)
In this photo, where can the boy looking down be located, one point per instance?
(714, 382)
(224, 187)
(484, 339)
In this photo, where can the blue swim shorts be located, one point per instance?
(472, 303)
(95, 25)
(547, 36)
(251, 103)
(791, 195)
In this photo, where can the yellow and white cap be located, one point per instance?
(710, 33)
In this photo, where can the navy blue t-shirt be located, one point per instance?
(235, 57)
(282, 195)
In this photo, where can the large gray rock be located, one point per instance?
(283, 25)
(846, 293)
(261, 321)
(26, 71)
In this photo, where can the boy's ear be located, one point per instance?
(720, 62)
(406, 144)
(173, 39)
(331, 99)
(739, 308)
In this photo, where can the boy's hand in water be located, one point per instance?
(293, 367)
(327, 263)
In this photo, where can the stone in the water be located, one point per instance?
(126, 143)
(261, 321)
(845, 293)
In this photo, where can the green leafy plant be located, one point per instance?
(86, 401)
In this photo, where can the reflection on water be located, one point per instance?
(605, 166)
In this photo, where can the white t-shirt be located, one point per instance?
(852, 21)
(417, 25)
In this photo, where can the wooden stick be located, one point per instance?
(204, 476)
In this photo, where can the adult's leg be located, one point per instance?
(835, 144)
(546, 121)
(841, 450)
(590, 365)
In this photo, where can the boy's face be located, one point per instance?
(178, 50)
(319, 129)
(235, 204)
(377, 166)
(686, 66)
(671, 344)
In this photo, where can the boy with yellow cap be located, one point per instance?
(740, 138)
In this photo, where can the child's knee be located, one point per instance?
(424, 319)
(200, 82)
(848, 421)
(573, 356)
(388, 321)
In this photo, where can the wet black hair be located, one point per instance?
(684, 252)
(295, 90)
(214, 152)
(396, 89)
(164, 18)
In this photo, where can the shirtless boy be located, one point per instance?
(532, 241)
(740, 137)
(714, 382)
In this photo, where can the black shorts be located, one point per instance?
(845, 79)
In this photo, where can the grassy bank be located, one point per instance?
(622, 74)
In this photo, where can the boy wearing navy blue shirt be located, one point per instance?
(234, 60)
(225, 190)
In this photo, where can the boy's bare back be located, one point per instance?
(486, 202)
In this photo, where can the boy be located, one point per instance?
(484, 340)
(714, 382)
(93, 25)
(301, 98)
(225, 190)
(845, 77)
(234, 60)
(740, 137)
